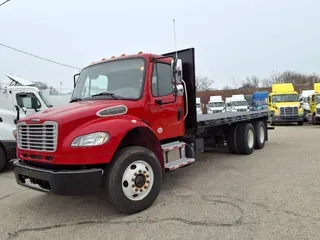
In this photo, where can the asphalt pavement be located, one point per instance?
(272, 194)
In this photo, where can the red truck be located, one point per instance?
(130, 119)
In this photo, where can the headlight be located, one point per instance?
(14, 132)
(92, 139)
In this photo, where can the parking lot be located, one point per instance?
(272, 194)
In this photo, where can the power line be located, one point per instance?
(3, 3)
(36, 56)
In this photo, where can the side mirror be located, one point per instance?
(75, 79)
(35, 104)
(176, 70)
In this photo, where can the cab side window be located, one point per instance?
(161, 80)
(25, 100)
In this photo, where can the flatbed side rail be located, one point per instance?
(222, 119)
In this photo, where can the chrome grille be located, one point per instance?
(38, 137)
(289, 111)
(216, 111)
(318, 110)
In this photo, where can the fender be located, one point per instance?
(118, 127)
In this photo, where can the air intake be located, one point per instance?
(112, 111)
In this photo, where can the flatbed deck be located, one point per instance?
(218, 119)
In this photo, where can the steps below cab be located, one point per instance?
(174, 155)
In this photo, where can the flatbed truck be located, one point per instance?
(121, 142)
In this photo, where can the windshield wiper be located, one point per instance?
(106, 94)
(75, 100)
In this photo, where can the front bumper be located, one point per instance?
(282, 119)
(10, 148)
(60, 182)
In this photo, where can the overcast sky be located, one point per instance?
(232, 38)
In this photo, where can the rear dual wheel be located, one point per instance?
(245, 137)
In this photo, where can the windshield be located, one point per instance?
(240, 103)
(305, 99)
(123, 78)
(216, 104)
(285, 98)
(318, 98)
(45, 99)
(260, 102)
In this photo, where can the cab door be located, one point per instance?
(165, 110)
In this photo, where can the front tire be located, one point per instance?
(300, 123)
(133, 181)
(3, 159)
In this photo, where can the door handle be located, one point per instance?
(179, 114)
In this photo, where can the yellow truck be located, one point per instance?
(284, 102)
(315, 104)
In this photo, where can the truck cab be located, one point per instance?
(305, 98)
(237, 103)
(198, 105)
(314, 102)
(259, 101)
(124, 123)
(216, 104)
(23, 94)
(285, 104)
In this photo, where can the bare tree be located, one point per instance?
(203, 83)
(226, 87)
(41, 85)
(235, 83)
(252, 82)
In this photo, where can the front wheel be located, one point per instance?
(3, 159)
(300, 123)
(133, 181)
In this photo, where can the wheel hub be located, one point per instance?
(140, 180)
(137, 180)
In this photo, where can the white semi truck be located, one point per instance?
(198, 106)
(237, 103)
(20, 98)
(216, 105)
(304, 99)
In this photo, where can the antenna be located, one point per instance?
(175, 37)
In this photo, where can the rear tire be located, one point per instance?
(3, 159)
(300, 123)
(133, 180)
(232, 139)
(246, 139)
(260, 134)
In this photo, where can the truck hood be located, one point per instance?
(83, 110)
